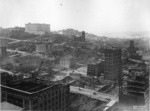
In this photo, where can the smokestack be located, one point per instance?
(83, 35)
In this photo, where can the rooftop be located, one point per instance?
(28, 86)
(9, 107)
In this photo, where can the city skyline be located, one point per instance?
(98, 16)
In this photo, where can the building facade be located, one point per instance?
(132, 51)
(136, 92)
(66, 62)
(95, 69)
(43, 48)
(83, 36)
(112, 65)
(38, 29)
(36, 95)
(3, 51)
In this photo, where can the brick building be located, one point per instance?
(112, 65)
(132, 51)
(3, 51)
(43, 48)
(95, 69)
(36, 28)
(66, 61)
(36, 94)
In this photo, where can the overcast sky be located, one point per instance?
(94, 16)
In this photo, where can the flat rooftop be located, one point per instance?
(28, 86)
(5, 106)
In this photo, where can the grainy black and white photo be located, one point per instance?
(74, 55)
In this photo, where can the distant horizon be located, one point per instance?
(72, 28)
(93, 16)
(104, 34)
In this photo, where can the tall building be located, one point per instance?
(112, 65)
(36, 94)
(3, 50)
(83, 36)
(38, 29)
(131, 49)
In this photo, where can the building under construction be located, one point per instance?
(135, 91)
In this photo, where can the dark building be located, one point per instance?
(138, 89)
(136, 92)
(83, 35)
(80, 38)
(112, 66)
(132, 51)
(95, 69)
(3, 51)
(35, 94)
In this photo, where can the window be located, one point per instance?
(53, 94)
(41, 105)
(35, 101)
(35, 108)
(44, 96)
(45, 103)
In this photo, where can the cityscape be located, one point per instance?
(42, 69)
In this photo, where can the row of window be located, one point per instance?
(49, 108)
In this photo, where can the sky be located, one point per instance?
(93, 16)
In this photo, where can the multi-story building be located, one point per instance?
(66, 61)
(132, 51)
(43, 48)
(137, 91)
(112, 65)
(35, 94)
(38, 29)
(95, 69)
(3, 50)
